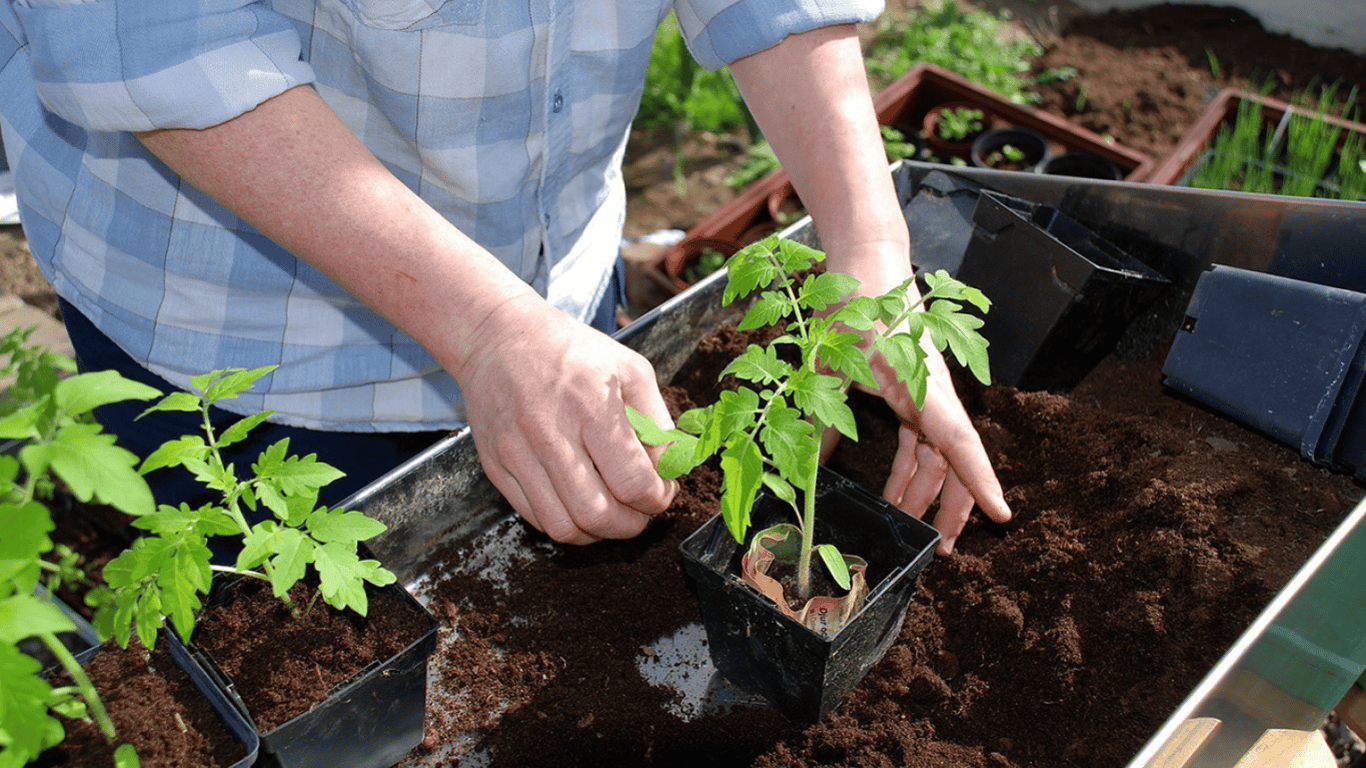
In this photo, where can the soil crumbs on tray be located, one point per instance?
(1148, 534)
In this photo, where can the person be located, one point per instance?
(413, 209)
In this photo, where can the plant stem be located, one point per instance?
(83, 682)
(808, 530)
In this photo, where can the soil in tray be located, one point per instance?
(156, 707)
(1148, 534)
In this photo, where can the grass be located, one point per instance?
(1250, 154)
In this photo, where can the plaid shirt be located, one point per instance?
(510, 118)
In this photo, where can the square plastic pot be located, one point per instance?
(233, 719)
(371, 720)
(764, 652)
(1062, 295)
(1280, 355)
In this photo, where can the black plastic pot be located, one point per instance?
(764, 652)
(1085, 165)
(1282, 356)
(371, 720)
(986, 150)
(1062, 295)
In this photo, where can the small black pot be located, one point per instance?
(764, 652)
(371, 720)
(1085, 165)
(1299, 344)
(1062, 295)
(1027, 140)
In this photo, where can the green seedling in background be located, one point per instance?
(165, 572)
(49, 410)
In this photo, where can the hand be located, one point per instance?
(545, 399)
(939, 454)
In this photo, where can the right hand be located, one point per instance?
(545, 397)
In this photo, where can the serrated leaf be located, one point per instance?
(147, 617)
(861, 313)
(824, 398)
(293, 552)
(22, 424)
(769, 309)
(796, 257)
(905, 356)
(750, 268)
(826, 289)
(340, 577)
(174, 453)
(841, 352)
(834, 563)
(742, 472)
(83, 393)
(93, 467)
(294, 474)
(24, 700)
(24, 532)
(791, 441)
(228, 383)
(185, 578)
(678, 459)
(345, 527)
(257, 545)
(759, 365)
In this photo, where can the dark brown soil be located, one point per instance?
(283, 665)
(1148, 535)
(155, 707)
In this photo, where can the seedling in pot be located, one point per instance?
(768, 430)
(958, 123)
(49, 410)
(164, 574)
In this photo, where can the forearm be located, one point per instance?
(810, 96)
(293, 170)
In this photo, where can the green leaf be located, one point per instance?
(293, 552)
(23, 535)
(22, 424)
(228, 383)
(824, 397)
(795, 257)
(83, 393)
(341, 577)
(742, 472)
(26, 727)
(343, 527)
(174, 453)
(126, 756)
(826, 289)
(176, 401)
(240, 429)
(147, 617)
(769, 309)
(840, 350)
(834, 563)
(93, 467)
(294, 474)
(750, 268)
(759, 365)
(791, 440)
(780, 488)
(26, 615)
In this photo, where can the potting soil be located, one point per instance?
(1148, 534)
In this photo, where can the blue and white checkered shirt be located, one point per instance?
(510, 118)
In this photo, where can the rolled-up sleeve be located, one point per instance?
(721, 31)
(138, 65)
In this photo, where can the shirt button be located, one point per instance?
(558, 103)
